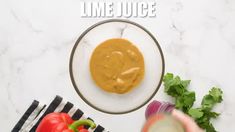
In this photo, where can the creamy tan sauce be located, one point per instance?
(117, 66)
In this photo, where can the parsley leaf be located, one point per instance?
(185, 101)
(216, 93)
(209, 100)
(195, 113)
(174, 86)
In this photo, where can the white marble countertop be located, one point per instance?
(36, 38)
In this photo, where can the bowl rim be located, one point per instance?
(75, 47)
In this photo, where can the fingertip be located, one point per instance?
(188, 123)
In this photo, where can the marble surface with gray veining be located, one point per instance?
(36, 37)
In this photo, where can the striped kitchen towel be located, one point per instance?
(35, 113)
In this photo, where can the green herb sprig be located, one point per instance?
(184, 100)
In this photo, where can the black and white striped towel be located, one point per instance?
(34, 114)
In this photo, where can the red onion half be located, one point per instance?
(158, 107)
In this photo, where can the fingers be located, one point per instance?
(188, 123)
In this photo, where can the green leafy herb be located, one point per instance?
(195, 113)
(184, 100)
(209, 100)
(174, 86)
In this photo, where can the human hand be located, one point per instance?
(188, 123)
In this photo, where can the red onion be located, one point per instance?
(158, 107)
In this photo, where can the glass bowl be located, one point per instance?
(80, 69)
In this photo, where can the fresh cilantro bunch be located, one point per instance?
(184, 100)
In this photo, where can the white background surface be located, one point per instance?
(36, 38)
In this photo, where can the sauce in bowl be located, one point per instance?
(117, 66)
